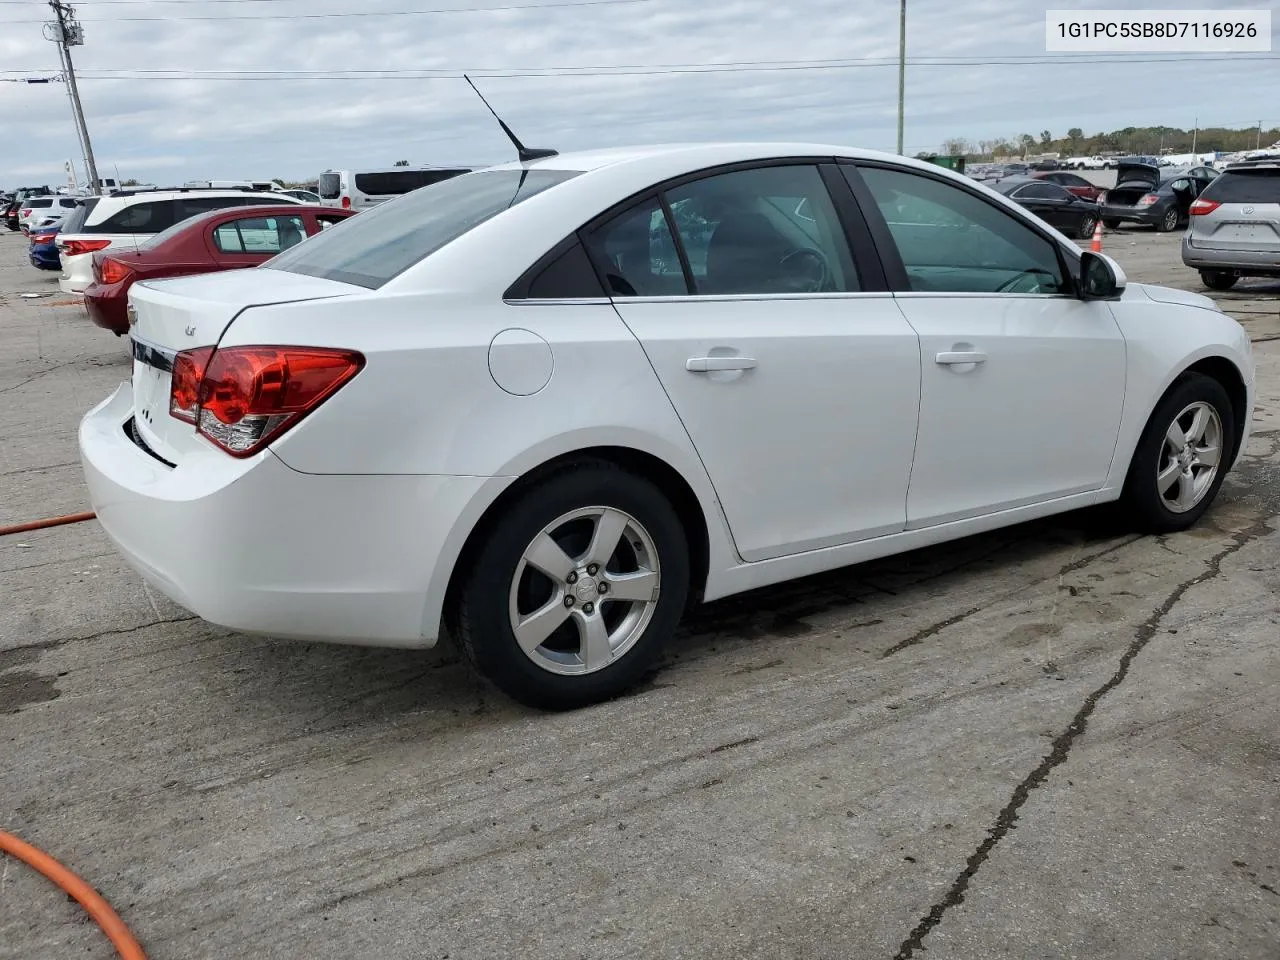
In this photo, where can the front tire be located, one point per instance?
(1218, 279)
(1182, 458)
(577, 588)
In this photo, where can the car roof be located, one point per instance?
(263, 210)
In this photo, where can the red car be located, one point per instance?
(226, 239)
(1072, 183)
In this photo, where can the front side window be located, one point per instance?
(383, 242)
(763, 231)
(264, 235)
(955, 242)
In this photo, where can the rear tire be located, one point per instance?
(1167, 490)
(1218, 279)
(1169, 222)
(1085, 230)
(581, 644)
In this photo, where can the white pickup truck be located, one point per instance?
(1089, 163)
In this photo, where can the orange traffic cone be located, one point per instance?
(1097, 236)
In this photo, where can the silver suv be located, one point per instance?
(1235, 225)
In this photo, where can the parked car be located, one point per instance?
(1150, 195)
(130, 217)
(306, 196)
(227, 239)
(547, 403)
(361, 189)
(15, 204)
(1073, 183)
(1235, 225)
(1052, 203)
(1043, 165)
(43, 252)
(39, 212)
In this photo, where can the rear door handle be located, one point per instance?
(967, 356)
(708, 364)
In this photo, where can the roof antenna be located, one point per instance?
(524, 153)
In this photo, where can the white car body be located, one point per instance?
(77, 269)
(848, 443)
(44, 211)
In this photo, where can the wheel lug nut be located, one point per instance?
(603, 588)
(591, 569)
(571, 578)
(588, 607)
(568, 601)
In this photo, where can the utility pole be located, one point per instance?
(1258, 143)
(902, 69)
(1194, 135)
(67, 33)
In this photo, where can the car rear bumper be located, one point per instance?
(107, 305)
(256, 546)
(45, 262)
(1256, 262)
(77, 273)
(1148, 215)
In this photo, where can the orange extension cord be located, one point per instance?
(38, 860)
(90, 899)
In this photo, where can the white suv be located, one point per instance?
(129, 218)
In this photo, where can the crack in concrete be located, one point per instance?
(935, 628)
(1007, 819)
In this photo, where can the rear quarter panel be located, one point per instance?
(1162, 341)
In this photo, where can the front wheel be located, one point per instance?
(577, 588)
(1219, 279)
(1182, 457)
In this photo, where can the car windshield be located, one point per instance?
(382, 243)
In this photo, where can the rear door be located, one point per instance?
(790, 366)
(251, 239)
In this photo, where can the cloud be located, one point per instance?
(221, 127)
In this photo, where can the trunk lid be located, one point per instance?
(169, 316)
(1136, 175)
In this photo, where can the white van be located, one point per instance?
(361, 189)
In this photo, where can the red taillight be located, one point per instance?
(74, 248)
(346, 203)
(1148, 199)
(110, 271)
(242, 398)
(1201, 207)
(42, 237)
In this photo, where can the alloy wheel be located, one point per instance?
(584, 590)
(1189, 457)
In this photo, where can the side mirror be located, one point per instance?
(1100, 277)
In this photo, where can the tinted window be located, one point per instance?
(38, 203)
(383, 242)
(568, 276)
(330, 186)
(387, 183)
(636, 253)
(148, 217)
(267, 235)
(193, 205)
(762, 231)
(953, 241)
(1070, 180)
(1245, 186)
(1040, 191)
(75, 219)
(67, 202)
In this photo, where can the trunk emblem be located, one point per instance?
(1248, 210)
(190, 331)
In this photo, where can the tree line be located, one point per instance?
(1144, 140)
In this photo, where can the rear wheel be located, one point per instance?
(1219, 279)
(577, 588)
(1085, 230)
(1183, 455)
(1169, 222)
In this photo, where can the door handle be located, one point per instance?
(708, 364)
(967, 356)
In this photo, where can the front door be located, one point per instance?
(798, 387)
(1022, 384)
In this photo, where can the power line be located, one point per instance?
(360, 13)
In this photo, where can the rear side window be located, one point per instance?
(151, 216)
(391, 183)
(1244, 186)
(39, 204)
(382, 243)
(330, 186)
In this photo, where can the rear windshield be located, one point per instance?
(1245, 186)
(382, 243)
(392, 183)
(330, 186)
(75, 219)
(37, 204)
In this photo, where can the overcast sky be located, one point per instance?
(168, 130)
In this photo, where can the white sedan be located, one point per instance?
(543, 406)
